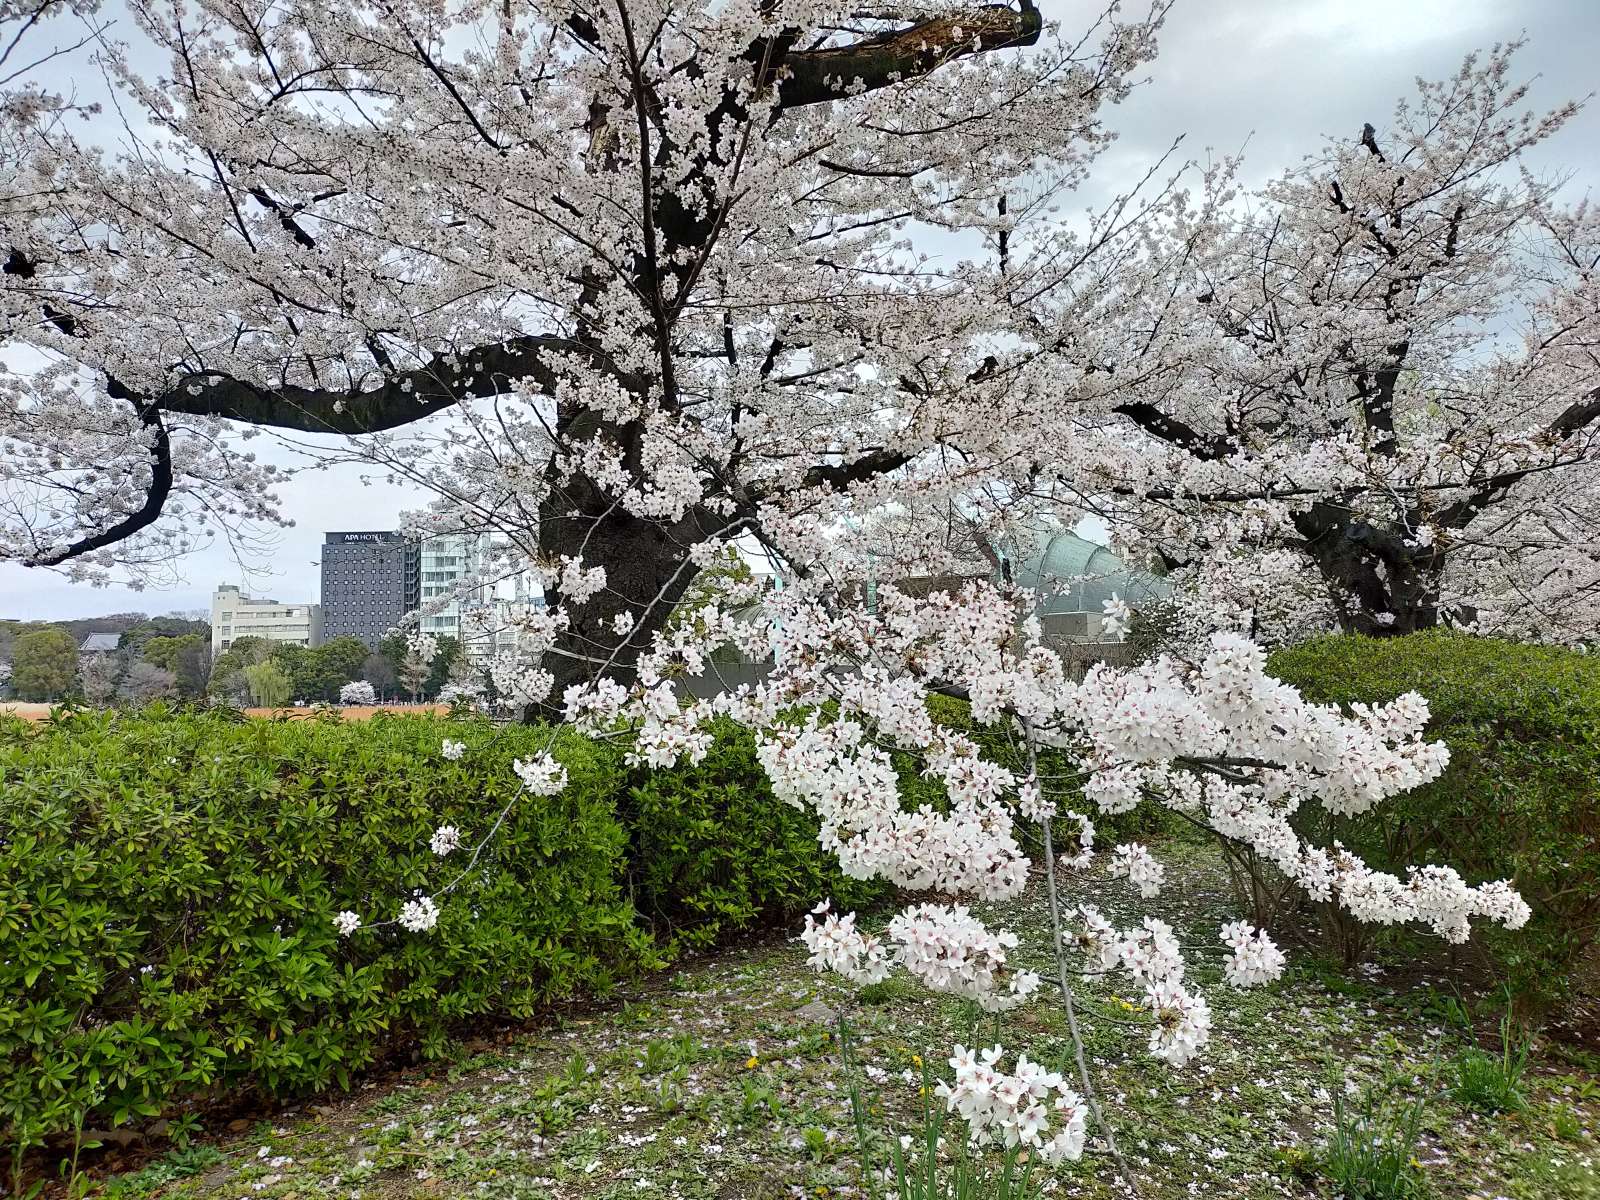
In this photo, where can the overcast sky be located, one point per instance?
(1279, 73)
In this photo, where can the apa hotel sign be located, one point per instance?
(344, 539)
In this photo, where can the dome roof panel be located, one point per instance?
(1073, 574)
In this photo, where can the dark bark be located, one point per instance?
(647, 563)
(1374, 567)
(1207, 447)
(647, 572)
(403, 396)
(1379, 584)
(818, 76)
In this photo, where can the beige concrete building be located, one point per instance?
(235, 615)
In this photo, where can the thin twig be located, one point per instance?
(1066, 986)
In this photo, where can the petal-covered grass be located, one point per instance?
(725, 1080)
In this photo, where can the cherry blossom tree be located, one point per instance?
(358, 692)
(1391, 377)
(649, 266)
(98, 676)
(145, 682)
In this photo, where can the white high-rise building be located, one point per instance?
(483, 617)
(447, 560)
(515, 599)
(235, 615)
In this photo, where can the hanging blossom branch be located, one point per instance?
(1222, 743)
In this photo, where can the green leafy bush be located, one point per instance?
(168, 882)
(1520, 798)
(712, 850)
(168, 885)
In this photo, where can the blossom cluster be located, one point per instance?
(1152, 957)
(1255, 959)
(1084, 855)
(851, 784)
(542, 776)
(945, 947)
(1138, 866)
(1221, 741)
(951, 951)
(445, 839)
(837, 945)
(1433, 895)
(419, 915)
(1030, 1107)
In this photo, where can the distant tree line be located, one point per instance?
(169, 657)
(155, 657)
(257, 671)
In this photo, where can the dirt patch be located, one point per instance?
(355, 712)
(28, 712)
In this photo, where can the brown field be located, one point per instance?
(359, 712)
(356, 712)
(28, 712)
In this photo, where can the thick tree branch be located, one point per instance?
(1153, 421)
(1576, 416)
(285, 217)
(835, 72)
(840, 476)
(404, 397)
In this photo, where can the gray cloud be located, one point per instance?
(1285, 74)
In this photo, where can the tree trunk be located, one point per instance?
(648, 568)
(1381, 585)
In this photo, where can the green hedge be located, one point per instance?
(713, 850)
(168, 883)
(1520, 798)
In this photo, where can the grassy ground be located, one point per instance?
(725, 1081)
